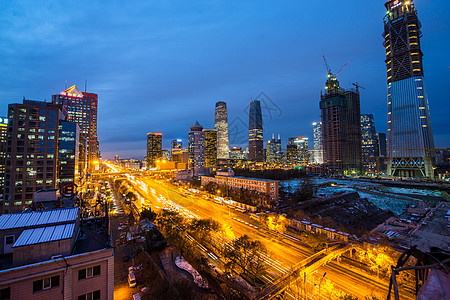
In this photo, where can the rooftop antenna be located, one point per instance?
(85, 85)
(66, 85)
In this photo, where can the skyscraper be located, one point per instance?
(32, 151)
(354, 160)
(210, 148)
(221, 127)
(255, 132)
(68, 147)
(273, 152)
(409, 126)
(297, 151)
(196, 148)
(318, 146)
(3, 135)
(82, 109)
(341, 128)
(154, 148)
(369, 143)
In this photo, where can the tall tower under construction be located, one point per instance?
(341, 128)
(409, 136)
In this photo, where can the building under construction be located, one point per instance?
(341, 128)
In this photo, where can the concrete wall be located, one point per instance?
(20, 279)
(40, 252)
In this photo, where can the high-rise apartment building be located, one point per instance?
(255, 132)
(369, 142)
(221, 127)
(3, 135)
(68, 148)
(341, 128)
(409, 133)
(196, 148)
(32, 151)
(297, 151)
(318, 146)
(211, 150)
(154, 148)
(82, 109)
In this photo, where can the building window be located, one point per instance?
(90, 296)
(89, 272)
(45, 284)
(5, 294)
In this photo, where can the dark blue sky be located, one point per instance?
(162, 65)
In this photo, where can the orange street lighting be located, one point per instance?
(96, 162)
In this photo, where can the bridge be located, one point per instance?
(306, 266)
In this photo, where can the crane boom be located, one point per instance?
(341, 69)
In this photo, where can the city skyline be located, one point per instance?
(276, 63)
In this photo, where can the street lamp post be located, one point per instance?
(321, 282)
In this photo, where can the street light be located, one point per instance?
(321, 282)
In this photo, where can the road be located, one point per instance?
(283, 254)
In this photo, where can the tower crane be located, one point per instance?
(329, 69)
(358, 86)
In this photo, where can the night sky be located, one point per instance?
(162, 65)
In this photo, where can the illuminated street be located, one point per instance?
(284, 253)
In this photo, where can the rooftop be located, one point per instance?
(38, 218)
(45, 234)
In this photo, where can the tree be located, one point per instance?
(202, 229)
(304, 192)
(245, 256)
(147, 214)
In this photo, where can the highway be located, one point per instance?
(283, 253)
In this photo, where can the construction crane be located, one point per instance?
(329, 70)
(358, 86)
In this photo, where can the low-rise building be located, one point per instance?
(267, 186)
(53, 254)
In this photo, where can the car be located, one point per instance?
(131, 279)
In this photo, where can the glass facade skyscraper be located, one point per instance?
(409, 136)
(255, 132)
(68, 147)
(369, 145)
(221, 127)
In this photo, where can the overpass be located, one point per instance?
(306, 266)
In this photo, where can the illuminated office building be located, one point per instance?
(318, 146)
(297, 151)
(154, 148)
(255, 132)
(175, 146)
(68, 147)
(210, 148)
(369, 142)
(221, 127)
(409, 135)
(82, 109)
